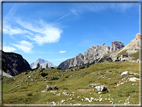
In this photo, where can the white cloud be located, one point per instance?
(43, 32)
(8, 49)
(62, 51)
(97, 7)
(24, 46)
(7, 29)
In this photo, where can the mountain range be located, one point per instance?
(91, 54)
(42, 63)
(13, 63)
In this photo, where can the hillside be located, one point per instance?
(76, 85)
(13, 63)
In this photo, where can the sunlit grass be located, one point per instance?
(17, 91)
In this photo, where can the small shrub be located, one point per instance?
(59, 68)
(65, 88)
(26, 73)
(82, 67)
(137, 76)
(104, 92)
(120, 95)
(66, 76)
(29, 94)
(44, 74)
(54, 78)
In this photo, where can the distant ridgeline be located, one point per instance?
(13, 63)
(42, 63)
(101, 53)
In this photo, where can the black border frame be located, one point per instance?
(72, 1)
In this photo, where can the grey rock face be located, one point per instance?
(115, 45)
(94, 53)
(76, 61)
(13, 63)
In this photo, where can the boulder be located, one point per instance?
(55, 88)
(126, 73)
(134, 79)
(48, 88)
(44, 79)
(32, 80)
(101, 88)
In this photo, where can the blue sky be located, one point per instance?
(58, 31)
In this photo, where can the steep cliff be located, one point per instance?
(13, 63)
(76, 61)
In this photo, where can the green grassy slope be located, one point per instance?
(76, 82)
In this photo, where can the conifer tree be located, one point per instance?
(47, 65)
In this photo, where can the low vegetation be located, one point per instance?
(74, 85)
(135, 56)
(121, 53)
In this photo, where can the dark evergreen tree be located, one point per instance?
(47, 65)
(38, 65)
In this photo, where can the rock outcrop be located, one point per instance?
(76, 61)
(13, 63)
(125, 53)
(94, 53)
(115, 45)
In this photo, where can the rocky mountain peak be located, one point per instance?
(42, 63)
(115, 45)
(93, 47)
(138, 36)
(103, 44)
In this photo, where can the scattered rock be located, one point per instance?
(126, 73)
(134, 79)
(101, 88)
(55, 88)
(48, 88)
(62, 101)
(32, 80)
(44, 79)
(51, 88)
(99, 92)
(43, 91)
(58, 94)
